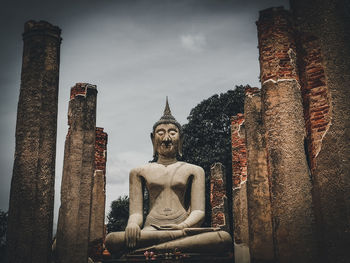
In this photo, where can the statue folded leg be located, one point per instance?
(184, 240)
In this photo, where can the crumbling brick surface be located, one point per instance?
(239, 186)
(239, 152)
(98, 203)
(316, 96)
(291, 202)
(77, 181)
(277, 48)
(258, 188)
(101, 150)
(79, 89)
(29, 234)
(218, 198)
(329, 127)
(282, 111)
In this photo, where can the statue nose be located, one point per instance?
(167, 139)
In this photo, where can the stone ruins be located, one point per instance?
(290, 196)
(32, 187)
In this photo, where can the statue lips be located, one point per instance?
(167, 143)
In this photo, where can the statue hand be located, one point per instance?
(171, 227)
(132, 234)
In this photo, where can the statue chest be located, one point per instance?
(167, 181)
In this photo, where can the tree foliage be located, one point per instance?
(3, 229)
(119, 214)
(208, 133)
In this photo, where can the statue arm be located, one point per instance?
(133, 229)
(197, 214)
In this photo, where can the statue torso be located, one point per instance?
(167, 188)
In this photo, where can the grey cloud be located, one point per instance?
(132, 51)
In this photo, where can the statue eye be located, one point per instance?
(172, 133)
(160, 133)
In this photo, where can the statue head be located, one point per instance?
(167, 136)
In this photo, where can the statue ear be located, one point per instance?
(154, 145)
(179, 148)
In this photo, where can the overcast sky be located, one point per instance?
(137, 52)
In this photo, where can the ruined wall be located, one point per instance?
(258, 190)
(315, 93)
(282, 110)
(77, 181)
(98, 202)
(326, 27)
(218, 197)
(239, 190)
(29, 233)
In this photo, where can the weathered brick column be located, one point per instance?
(98, 203)
(218, 197)
(239, 190)
(258, 190)
(29, 233)
(78, 170)
(291, 200)
(327, 82)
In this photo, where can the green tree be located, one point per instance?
(119, 214)
(3, 229)
(208, 134)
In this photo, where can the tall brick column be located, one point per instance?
(327, 80)
(258, 190)
(29, 233)
(98, 203)
(218, 197)
(291, 200)
(78, 171)
(239, 190)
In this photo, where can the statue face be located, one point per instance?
(166, 139)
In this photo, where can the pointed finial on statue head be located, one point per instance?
(167, 111)
(167, 117)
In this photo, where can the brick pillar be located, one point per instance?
(258, 190)
(291, 200)
(239, 190)
(218, 197)
(97, 218)
(29, 233)
(327, 82)
(78, 170)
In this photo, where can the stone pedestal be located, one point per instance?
(258, 190)
(29, 233)
(179, 258)
(239, 190)
(77, 181)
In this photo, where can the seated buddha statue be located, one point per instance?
(176, 202)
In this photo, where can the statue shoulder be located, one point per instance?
(140, 170)
(195, 168)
